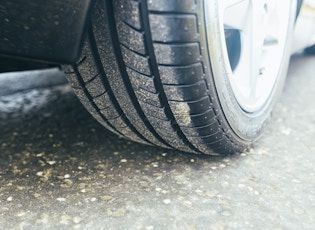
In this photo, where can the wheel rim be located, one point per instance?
(253, 35)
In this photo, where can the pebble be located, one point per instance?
(40, 154)
(43, 219)
(40, 173)
(298, 211)
(226, 213)
(106, 198)
(76, 219)
(51, 162)
(21, 213)
(36, 195)
(117, 213)
(167, 201)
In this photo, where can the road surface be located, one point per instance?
(59, 169)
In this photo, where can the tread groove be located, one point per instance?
(132, 27)
(131, 50)
(175, 43)
(112, 97)
(171, 13)
(123, 71)
(143, 74)
(112, 128)
(172, 65)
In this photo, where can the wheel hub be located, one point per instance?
(254, 33)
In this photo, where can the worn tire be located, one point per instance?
(145, 75)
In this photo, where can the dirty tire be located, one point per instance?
(145, 75)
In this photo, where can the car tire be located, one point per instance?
(159, 72)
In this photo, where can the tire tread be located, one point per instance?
(148, 85)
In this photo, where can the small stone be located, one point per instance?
(43, 219)
(40, 173)
(225, 184)
(123, 160)
(40, 154)
(167, 201)
(226, 213)
(298, 211)
(19, 188)
(117, 213)
(76, 219)
(61, 199)
(66, 176)
(106, 198)
(10, 198)
(158, 175)
(198, 191)
(21, 213)
(144, 184)
(286, 131)
(65, 219)
(67, 182)
(188, 203)
(42, 163)
(51, 162)
(36, 195)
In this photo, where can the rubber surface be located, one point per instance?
(142, 74)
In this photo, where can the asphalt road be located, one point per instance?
(59, 169)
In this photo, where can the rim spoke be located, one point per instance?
(272, 31)
(257, 35)
(230, 3)
(270, 40)
(254, 34)
(235, 13)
